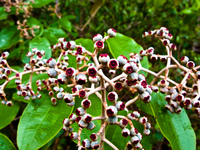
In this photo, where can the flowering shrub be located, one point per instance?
(84, 85)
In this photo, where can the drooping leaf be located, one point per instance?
(3, 13)
(123, 45)
(8, 113)
(5, 143)
(66, 24)
(40, 122)
(34, 23)
(175, 127)
(8, 37)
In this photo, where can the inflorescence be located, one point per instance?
(89, 78)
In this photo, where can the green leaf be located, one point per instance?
(8, 114)
(175, 127)
(33, 22)
(87, 43)
(40, 122)
(8, 37)
(5, 143)
(123, 45)
(159, 3)
(41, 44)
(52, 34)
(41, 3)
(65, 24)
(3, 13)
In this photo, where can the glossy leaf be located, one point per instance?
(41, 3)
(175, 127)
(8, 114)
(33, 23)
(87, 43)
(40, 122)
(3, 13)
(123, 45)
(66, 24)
(8, 37)
(5, 143)
(41, 44)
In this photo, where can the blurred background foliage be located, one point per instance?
(44, 21)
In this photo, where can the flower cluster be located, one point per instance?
(83, 78)
(185, 94)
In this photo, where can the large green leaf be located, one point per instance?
(3, 13)
(123, 45)
(5, 143)
(40, 122)
(41, 44)
(175, 127)
(33, 23)
(7, 114)
(8, 37)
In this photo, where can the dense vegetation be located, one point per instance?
(25, 25)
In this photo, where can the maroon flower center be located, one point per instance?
(92, 72)
(111, 97)
(103, 55)
(179, 98)
(144, 83)
(124, 122)
(113, 30)
(69, 71)
(99, 44)
(78, 118)
(113, 64)
(182, 58)
(110, 112)
(118, 86)
(80, 81)
(187, 102)
(129, 69)
(93, 137)
(82, 93)
(162, 81)
(68, 45)
(86, 103)
(190, 64)
(125, 134)
(122, 106)
(88, 119)
(79, 50)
